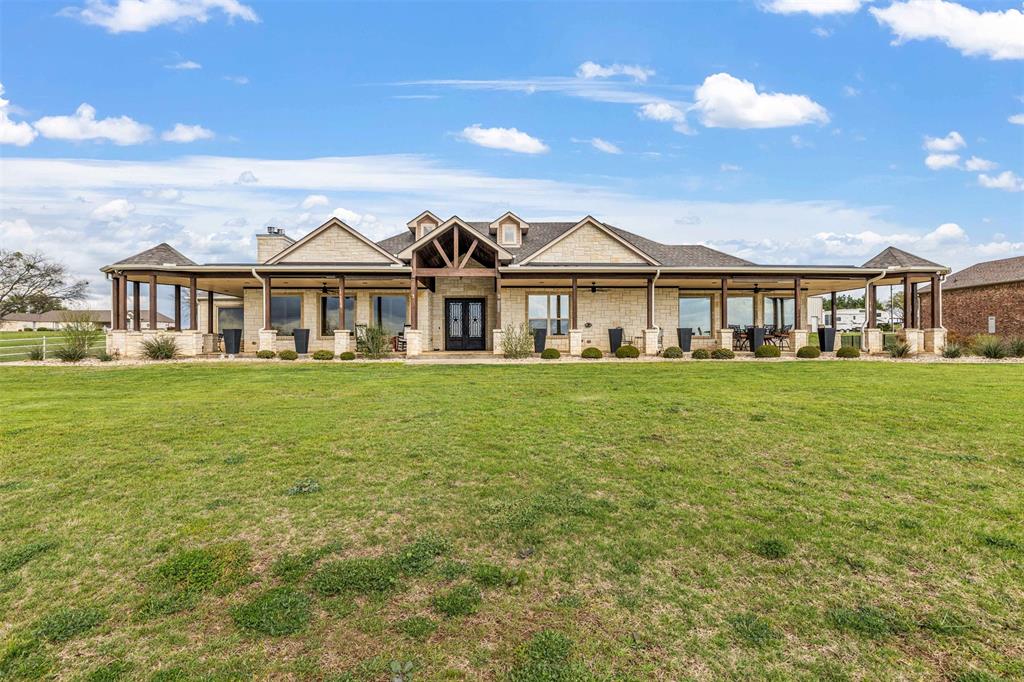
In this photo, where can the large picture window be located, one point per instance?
(329, 314)
(389, 312)
(695, 313)
(230, 318)
(286, 313)
(550, 312)
(785, 307)
(741, 311)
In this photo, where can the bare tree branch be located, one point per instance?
(31, 283)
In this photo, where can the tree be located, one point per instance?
(32, 283)
(845, 301)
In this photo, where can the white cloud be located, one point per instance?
(364, 221)
(141, 15)
(114, 211)
(184, 65)
(1007, 180)
(941, 161)
(588, 70)
(604, 146)
(312, 201)
(246, 178)
(84, 126)
(18, 133)
(724, 101)
(821, 31)
(1017, 119)
(186, 133)
(16, 229)
(730, 168)
(800, 143)
(168, 194)
(816, 7)
(666, 113)
(850, 91)
(949, 143)
(237, 80)
(946, 233)
(509, 139)
(1000, 248)
(997, 35)
(978, 164)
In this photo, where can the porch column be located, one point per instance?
(935, 336)
(871, 305)
(267, 335)
(341, 302)
(914, 322)
(413, 299)
(122, 297)
(650, 303)
(115, 305)
(152, 301)
(573, 306)
(907, 294)
(209, 312)
(834, 314)
(193, 304)
(136, 306)
(342, 336)
(775, 312)
(266, 304)
(936, 303)
(797, 309)
(497, 296)
(177, 307)
(724, 323)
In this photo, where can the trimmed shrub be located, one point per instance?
(288, 355)
(767, 350)
(991, 347)
(323, 355)
(347, 355)
(952, 350)
(627, 351)
(848, 352)
(517, 341)
(899, 350)
(160, 348)
(1015, 346)
(672, 352)
(700, 354)
(551, 354)
(592, 353)
(265, 354)
(808, 352)
(722, 354)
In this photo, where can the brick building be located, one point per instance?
(982, 299)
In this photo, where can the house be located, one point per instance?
(455, 285)
(57, 319)
(986, 298)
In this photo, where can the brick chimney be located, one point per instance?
(272, 243)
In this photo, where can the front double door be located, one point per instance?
(464, 324)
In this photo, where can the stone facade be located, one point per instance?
(589, 244)
(335, 244)
(965, 312)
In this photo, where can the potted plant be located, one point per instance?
(232, 341)
(826, 339)
(685, 335)
(301, 341)
(614, 338)
(540, 337)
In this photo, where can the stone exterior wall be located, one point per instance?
(965, 312)
(457, 287)
(269, 245)
(335, 245)
(589, 244)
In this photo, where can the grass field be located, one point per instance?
(651, 521)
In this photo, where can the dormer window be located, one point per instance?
(509, 230)
(508, 233)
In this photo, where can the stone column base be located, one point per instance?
(797, 339)
(913, 338)
(575, 342)
(117, 342)
(342, 341)
(725, 338)
(190, 343)
(873, 339)
(268, 339)
(413, 342)
(651, 341)
(934, 340)
(497, 335)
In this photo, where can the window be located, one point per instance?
(741, 310)
(785, 308)
(389, 312)
(695, 313)
(426, 228)
(550, 312)
(329, 314)
(286, 314)
(230, 318)
(508, 233)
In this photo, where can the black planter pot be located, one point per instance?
(685, 335)
(301, 341)
(826, 339)
(615, 338)
(232, 341)
(756, 336)
(540, 337)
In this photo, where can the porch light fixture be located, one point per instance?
(323, 289)
(593, 287)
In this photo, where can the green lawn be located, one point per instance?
(693, 520)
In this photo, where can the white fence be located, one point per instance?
(20, 349)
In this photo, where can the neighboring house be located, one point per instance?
(455, 285)
(986, 298)
(57, 319)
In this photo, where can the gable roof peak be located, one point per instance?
(891, 257)
(333, 221)
(161, 254)
(414, 223)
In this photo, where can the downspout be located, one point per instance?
(867, 294)
(263, 283)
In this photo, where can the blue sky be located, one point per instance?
(782, 130)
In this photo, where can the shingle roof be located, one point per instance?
(161, 254)
(983, 274)
(541, 234)
(893, 257)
